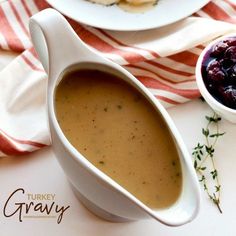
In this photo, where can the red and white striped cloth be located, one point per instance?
(162, 59)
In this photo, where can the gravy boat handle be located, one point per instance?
(56, 43)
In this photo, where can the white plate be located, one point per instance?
(114, 18)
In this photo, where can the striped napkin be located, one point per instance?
(162, 59)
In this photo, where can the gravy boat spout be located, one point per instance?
(61, 51)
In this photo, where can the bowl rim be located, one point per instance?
(199, 78)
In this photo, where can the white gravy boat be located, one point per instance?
(61, 50)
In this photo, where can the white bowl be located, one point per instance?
(222, 110)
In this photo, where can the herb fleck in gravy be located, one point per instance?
(114, 126)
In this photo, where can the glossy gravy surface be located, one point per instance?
(121, 133)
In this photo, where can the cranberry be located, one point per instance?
(230, 41)
(219, 49)
(212, 65)
(216, 76)
(226, 63)
(230, 53)
(229, 96)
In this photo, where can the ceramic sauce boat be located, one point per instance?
(61, 50)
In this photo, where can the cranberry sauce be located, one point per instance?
(219, 71)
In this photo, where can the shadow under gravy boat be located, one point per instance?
(61, 50)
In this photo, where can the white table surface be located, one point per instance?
(40, 173)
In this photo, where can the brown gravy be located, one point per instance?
(119, 131)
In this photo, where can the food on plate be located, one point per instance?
(219, 71)
(121, 133)
(105, 2)
(137, 6)
(140, 2)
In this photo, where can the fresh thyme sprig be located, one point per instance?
(204, 163)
